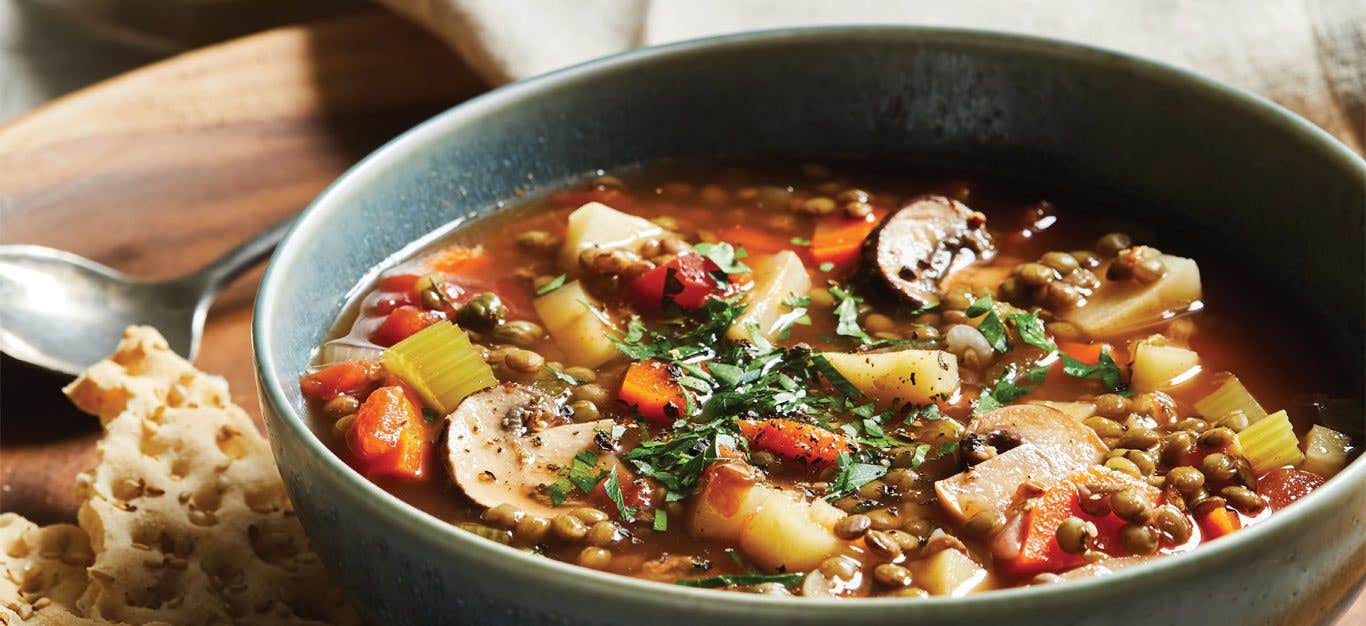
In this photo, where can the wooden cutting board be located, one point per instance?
(159, 171)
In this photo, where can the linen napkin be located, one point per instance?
(1307, 55)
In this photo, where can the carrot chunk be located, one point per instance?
(796, 441)
(388, 437)
(340, 379)
(1219, 522)
(650, 389)
(837, 238)
(755, 240)
(1040, 551)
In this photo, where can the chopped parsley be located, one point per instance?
(1006, 389)
(1031, 331)
(1105, 369)
(613, 488)
(724, 256)
(555, 283)
(742, 580)
(564, 377)
(799, 241)
(852, 475)
(826, 266)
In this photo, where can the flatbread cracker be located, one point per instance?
(42, 571)
(185, 520)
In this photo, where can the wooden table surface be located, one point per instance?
(159, 171)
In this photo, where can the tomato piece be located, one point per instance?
(686, 281)
(348, 378)
(652, 391)
(388, 437)
(796, 441)
(404, 322)
(398, 283)
(1281, 487)
(838, 238)
(636, 493)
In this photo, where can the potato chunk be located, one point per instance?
(947, 573)
(596, 225)
(578, 325)
(777, 278)
(776, 529)
(915, 376)
(1159, 367)
(1119, 307)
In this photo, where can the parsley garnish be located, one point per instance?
(555, 283)
(724, 256)
(736, 580)
(564, 377)
(799, 241)
(613, 488)
(990, 326)
(1031, 331)
(853, 475)
(559, 491)
(846, 315)
(1006, 389)
(826, 266)
(1105, 369)
(583, 472)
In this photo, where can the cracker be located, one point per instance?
(186, 513)
(42, 570)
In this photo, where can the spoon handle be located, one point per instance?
(243, 257)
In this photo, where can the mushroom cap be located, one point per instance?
(912, 250)
(495, 465)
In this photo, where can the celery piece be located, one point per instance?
(1229, 397)
(1270, 443)
(440, 364)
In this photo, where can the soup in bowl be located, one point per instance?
(925, 375)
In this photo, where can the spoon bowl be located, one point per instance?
(63, 312)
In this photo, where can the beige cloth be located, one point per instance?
(1308, 55)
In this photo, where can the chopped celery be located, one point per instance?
(440, 364)
(1325, 451)
(1229, 397)
(1270, 443)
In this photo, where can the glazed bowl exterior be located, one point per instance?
(1232, 171)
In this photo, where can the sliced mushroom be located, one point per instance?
(495, 461)
(1052, 431)
(917, 247)
(1054, 444)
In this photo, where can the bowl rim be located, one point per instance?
(568, 575)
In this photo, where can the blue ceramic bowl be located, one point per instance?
(1228, 168)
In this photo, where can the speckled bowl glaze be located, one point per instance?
(1234, 168)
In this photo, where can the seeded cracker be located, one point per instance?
(187, 519)
(42, 571)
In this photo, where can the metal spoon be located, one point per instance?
(64, 312)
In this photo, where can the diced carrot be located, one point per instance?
(402, 323)
(1283, 486)
(837, 238)
(461, 260)
(796, 441)
(636, 492)
(388, 437)
(754, 240)
(652, 391)
(398, 283)
(340, 379)
(1039, 549)
(1219, 522)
